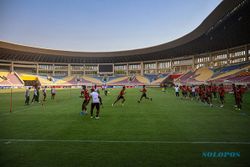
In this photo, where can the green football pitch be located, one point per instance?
(167, 131)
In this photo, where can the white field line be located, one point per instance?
(127, 141)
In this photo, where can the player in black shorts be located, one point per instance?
(144, 91)
(96, 101)
(120, 96)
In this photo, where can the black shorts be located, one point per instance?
(205, 97)
(144, 95)
(120, 97)
(221, 98)
(86, 102)
(95, 105)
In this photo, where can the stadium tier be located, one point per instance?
(143, 80)
(203, 74)
(10, 79)
(228, 74)
(160, 78)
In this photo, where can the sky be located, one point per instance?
(99, 25)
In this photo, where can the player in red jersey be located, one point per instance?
(243, 90)
(184, 91)
(214, 90)
(144, 91)
(198, 92)
(239, 92)
(86, 100)
(202, 94)
(82, 91)
(206, 95)
(189, 90)
(209, 93)
(221, 92)
(234, 91)
(121, 96)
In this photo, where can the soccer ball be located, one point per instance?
(82, 113)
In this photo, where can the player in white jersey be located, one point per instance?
(35, 95)
(193, 92)
(105, 88)
(27, 96)
(176, 91)
(44, 93)
(96, 101)
(53, 92)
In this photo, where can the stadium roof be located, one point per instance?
(227, 26)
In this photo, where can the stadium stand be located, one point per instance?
(221, 70)
(203, 74)
(143, 80)
(65, 80)
(240, 77)
(28, 77)
(230, 71)
(128, 80)
(92, 80)
(45, 81)
(10, 79)
(151, 77)
(118, 79)
(110, 78)
(161, 78)
(185, 77)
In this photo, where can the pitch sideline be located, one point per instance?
(128, 141)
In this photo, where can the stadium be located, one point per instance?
(166, 131)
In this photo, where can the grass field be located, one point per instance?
(165, 132)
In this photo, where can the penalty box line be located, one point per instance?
(127, 141)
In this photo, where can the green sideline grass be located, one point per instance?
(163, 132)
